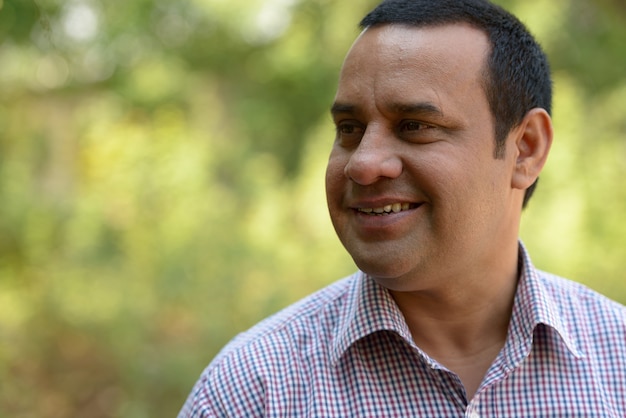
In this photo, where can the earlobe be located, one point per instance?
(533, 142)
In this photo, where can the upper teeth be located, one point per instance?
(396, 207)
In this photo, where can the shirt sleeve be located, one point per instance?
(231, 386)
(198, 404)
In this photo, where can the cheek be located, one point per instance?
(453, 184)
(334, 173)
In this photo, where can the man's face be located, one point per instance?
(414, 191)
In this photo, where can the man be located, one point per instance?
(443, 126)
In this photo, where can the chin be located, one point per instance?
(394, 274)
(382, 272)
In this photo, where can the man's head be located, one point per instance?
(517, 74)
(414, 191)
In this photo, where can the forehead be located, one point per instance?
(457, 43)
(393, 61)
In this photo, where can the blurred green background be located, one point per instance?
(161, 182)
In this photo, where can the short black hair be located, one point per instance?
(517, 76)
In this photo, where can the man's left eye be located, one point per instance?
(413, 126)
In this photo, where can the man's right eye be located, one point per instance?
(349, 134)
(349, 131)
(346, 129)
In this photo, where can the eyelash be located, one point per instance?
(351, 126)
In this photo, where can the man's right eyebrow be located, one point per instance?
(338, 107)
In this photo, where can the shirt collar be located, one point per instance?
(370, 308)
(534, 304)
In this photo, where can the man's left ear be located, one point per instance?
(533, 141)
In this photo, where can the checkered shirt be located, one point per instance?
(346, 351)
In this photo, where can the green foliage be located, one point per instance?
(161, 182)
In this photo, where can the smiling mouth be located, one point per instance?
(388, 209)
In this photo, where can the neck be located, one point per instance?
(460, 322)
(464, 324)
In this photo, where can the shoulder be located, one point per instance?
(278, 351)
(584, 308)
(310, 316)
(577, 295)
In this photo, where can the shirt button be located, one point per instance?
(474, 414)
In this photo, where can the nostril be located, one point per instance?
(367, 171)
(361, 172)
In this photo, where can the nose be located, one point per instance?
(373, 159)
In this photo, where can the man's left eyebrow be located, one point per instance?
(426, 108)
